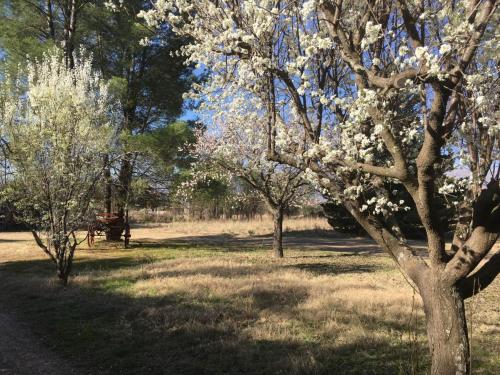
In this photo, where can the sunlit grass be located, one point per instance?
(241, 228)
(165, 306)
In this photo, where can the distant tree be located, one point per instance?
(59, 123)
(207, 191)
(236, 143)
(204, 193)
(160, 157)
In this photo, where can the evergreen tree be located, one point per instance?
(148, 79)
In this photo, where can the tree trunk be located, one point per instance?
(69, 33)
(50, 20)
(446, 329)
(61, 252)
(62, 274)
(108, 182)
(278, 233)
(127, 163)
(108, 191)
(63, 269)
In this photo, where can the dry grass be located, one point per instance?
(240, 228)
(168, 307)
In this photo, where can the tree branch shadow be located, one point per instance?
(104, 330)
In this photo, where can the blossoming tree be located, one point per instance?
(58, 125)
(336, 74)
(236, 143)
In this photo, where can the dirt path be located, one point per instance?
(21, 353)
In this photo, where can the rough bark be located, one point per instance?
(442, 300)
(124, 179)
(64, 259)
(278, 233)
(115, 231)
(69, 34)
(446, 329)
(482, 278)
(108, 190)
(107, 178)
(61, 272)
(127, 163)
(50, 20)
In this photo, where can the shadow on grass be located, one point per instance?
(334, 268)
(11, 240)
(46, 267)
(322, 240)
(103, 330)
(196, 243)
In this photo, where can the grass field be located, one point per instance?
(208, 298)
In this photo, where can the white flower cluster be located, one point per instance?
(359, 145)
(262, 50)
(484, 92)
(454, 189)
(372, 34)
(60, 123)
(113, 6)
(383, 206)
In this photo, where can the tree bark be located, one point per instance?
(69, 34)
(125, 179)
(50, 21)
(108, 181)
(62, 273)
(108, 190)
(446, 329)
(64, 260)
(127, 165)
(278, 233)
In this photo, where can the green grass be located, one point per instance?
(180, 309)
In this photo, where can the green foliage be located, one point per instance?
(161, 158)
(168, 145)
(340, 219)
(210, 191)
(21, 33)
(150, 79)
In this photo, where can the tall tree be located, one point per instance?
(58, 127)
(236, 143)
(333, 74)
(149, 79)
(161, 156)
(32, 27)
